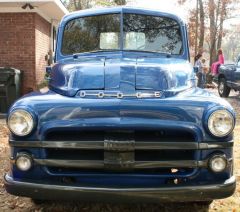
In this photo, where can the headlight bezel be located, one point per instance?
(26, 156)
(33, 120)
(218, 156)
(210, 114)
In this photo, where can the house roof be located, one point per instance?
(49, 9)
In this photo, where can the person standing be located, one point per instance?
(215, 65)
(205, 71)
(198, 63)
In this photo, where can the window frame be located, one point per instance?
(120, 31)
(162, 16)
(185, 54)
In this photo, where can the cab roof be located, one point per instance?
(119, 9)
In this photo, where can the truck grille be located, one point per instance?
(124, 157)
(137, 135)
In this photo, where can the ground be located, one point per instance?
(12, 203)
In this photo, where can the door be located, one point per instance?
(237, 74)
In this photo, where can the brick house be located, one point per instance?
(27, 37)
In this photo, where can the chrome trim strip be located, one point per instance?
(98, 164)
(120, 95)
(138, 145)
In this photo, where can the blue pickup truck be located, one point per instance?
(228, 78)
(123, 119)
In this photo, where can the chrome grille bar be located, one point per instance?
(138, 145)
(94, 164)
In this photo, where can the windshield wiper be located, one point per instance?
(168, 54)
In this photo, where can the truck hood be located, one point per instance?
(120, 74)
(186, 110)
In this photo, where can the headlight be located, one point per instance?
(220, 123)
(20, 122)
(218, 163)
(24, 162)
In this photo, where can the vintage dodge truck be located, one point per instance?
(123, 119)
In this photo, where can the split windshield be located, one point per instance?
(140, 33)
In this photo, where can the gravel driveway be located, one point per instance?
(12, 203)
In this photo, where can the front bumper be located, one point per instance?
(170, 193)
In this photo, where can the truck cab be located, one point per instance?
(123, 119)
(229, 78)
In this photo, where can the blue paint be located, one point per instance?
(182, 106)
(231, 75)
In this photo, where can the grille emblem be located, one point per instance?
(110, 145)
(119, 155)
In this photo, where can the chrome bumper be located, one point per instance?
(105, 194)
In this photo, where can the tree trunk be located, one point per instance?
(77, 5)
(80, 4)
(214, 11)
(222, 18)
(120, 2)
(196, 29)
(202, 26)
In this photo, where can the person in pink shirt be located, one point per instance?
(215, 65)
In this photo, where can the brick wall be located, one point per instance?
(42, 35)
(24, 42)
(17, 45)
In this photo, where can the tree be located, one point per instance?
(73, 5)
(213, 11)
(120, 2)
(218, 13)
(196, 25)
(231, 44)
(79, 4)
(206, 24)
(196, 29)
(202, 25)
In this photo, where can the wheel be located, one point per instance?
(223, 89)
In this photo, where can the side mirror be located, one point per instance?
(195, 69)
(48, 69)
(48, 72)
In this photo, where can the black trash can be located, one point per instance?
(10, 86)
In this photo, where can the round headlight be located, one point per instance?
(20, 122)
(24, 162)
(218, 163)
(220, 123)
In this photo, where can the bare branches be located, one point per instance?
(73, 5)
(206, 21)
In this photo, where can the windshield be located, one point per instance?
(92, 33)
(151, 33)
(140, 33)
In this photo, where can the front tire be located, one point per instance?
(223, 89)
